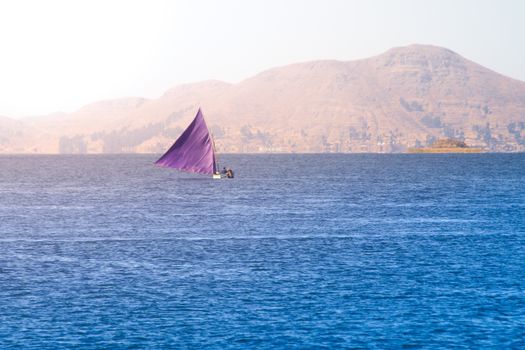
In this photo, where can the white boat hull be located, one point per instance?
(220, 176)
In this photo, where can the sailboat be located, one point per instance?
(193, 151)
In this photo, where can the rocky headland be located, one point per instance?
(446, 146)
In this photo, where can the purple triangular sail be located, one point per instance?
(193, 150)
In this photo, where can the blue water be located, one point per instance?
(297, 252)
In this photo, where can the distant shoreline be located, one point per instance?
(446, 150)
(409, 151)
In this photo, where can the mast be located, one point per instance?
(215, 159)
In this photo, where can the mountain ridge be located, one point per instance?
(406, 97)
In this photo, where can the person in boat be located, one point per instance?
(229, 174)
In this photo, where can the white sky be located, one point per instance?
(57, 55)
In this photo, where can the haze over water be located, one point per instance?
(298, 251)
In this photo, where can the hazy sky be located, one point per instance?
(57, 55)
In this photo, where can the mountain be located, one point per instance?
(11, 131)
(406, 97)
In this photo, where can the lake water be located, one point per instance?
(297, 252)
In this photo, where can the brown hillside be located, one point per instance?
(406, 97)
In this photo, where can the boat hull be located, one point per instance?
(221, 176)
